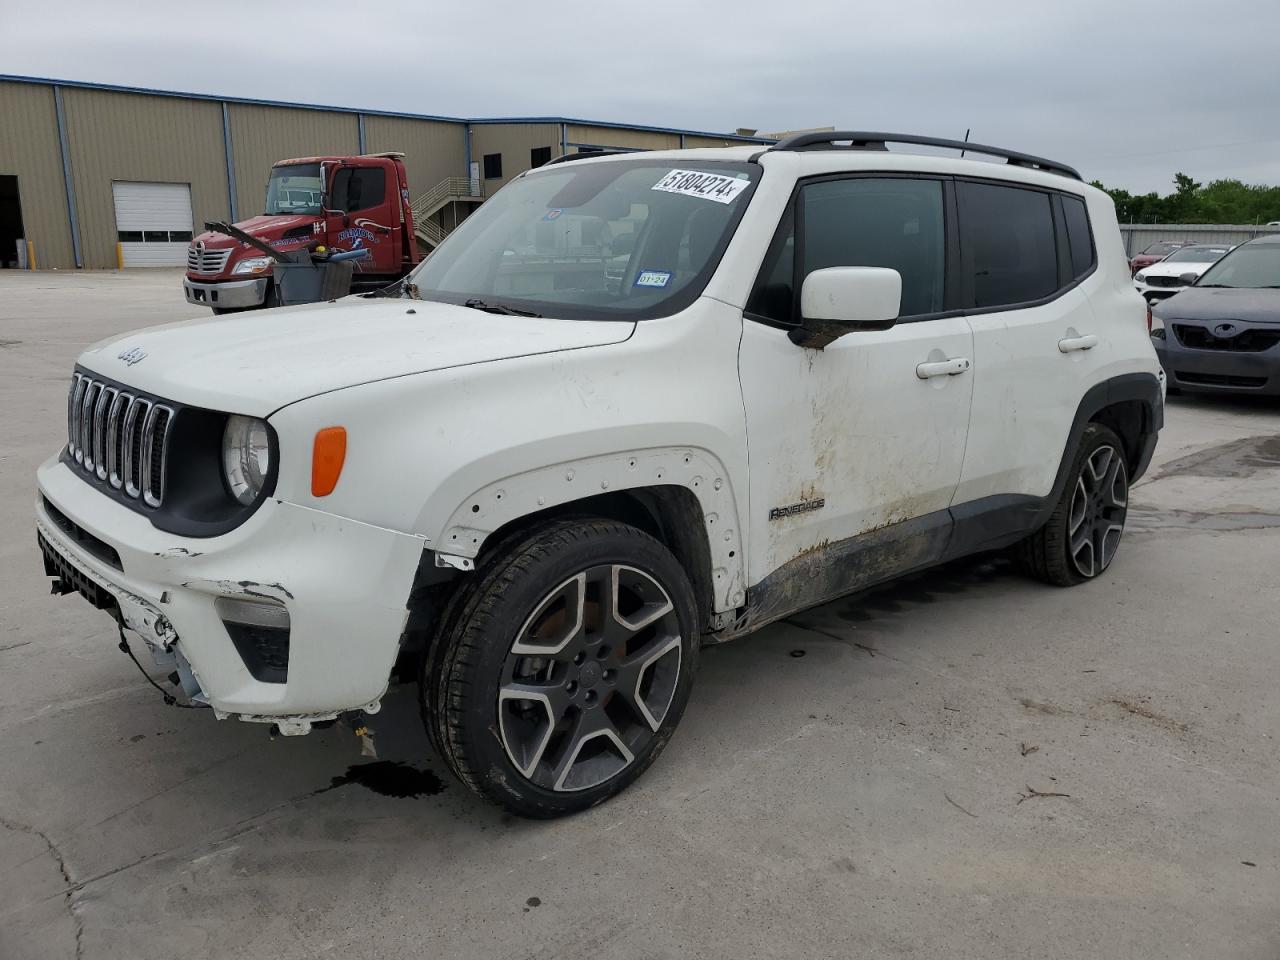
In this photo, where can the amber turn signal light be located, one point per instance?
(327, 457)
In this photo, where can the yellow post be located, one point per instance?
(31, 255)
(119, 257)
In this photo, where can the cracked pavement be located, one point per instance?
(855, 782)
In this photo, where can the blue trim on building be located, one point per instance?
(231, 164)
(65, 150)
(563, 121)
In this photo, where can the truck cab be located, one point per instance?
(341, 203)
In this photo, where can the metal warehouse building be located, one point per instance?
(97, 176)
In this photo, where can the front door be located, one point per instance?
(364, 213)
(860, 443)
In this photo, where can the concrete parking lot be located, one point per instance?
(965, 764)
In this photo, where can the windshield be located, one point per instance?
(1160, 249)
(1250, 265)
(624, 239)
(295, 188)
(1197, 254)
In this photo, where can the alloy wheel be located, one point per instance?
(1095, 521)
(589, 678)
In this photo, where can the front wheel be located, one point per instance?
(1083, 533)
(564, 668)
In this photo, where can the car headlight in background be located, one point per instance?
(246, 457)
(1139, 276)
(253, 265)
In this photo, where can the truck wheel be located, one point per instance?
(564, 668)
(1083, 533)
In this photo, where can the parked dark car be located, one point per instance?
(1223, 333)
(1154, 254)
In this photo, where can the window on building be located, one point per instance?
(129, 236)
(538, 156)
(493, 166)
(358, 188)
(1007, 250)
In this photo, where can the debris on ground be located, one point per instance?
(1029, 748)
(958, 807)
(1034, 794)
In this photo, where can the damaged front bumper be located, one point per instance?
(293, 617)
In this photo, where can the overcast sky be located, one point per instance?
(1129, 91)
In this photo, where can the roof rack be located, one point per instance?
(862, 140)
(570, 157)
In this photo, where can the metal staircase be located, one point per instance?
(447, 191)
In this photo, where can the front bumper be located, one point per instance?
(232, 295)
(1157, 293)
(344, 584)
(1218, 370)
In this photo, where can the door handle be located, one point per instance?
(942, 368)
(1071, 344)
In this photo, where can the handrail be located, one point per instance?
(425, 204)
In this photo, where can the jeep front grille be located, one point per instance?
(207, 261)
(118, 437)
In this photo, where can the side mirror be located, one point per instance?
(1189, 278)
(839, 300)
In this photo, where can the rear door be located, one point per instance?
(1027, 262)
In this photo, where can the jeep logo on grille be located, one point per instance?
(132, 355)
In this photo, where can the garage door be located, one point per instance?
(153, 222)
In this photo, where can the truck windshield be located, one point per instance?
(609, 239)
(295, 188)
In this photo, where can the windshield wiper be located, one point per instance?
(502, 308)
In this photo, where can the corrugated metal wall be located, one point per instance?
(1138, 236)
(126, 136)
(262, 135)
(433, 149)
(625, 139)
(29, 150)
(513, 141)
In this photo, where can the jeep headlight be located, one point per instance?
(246, 457)
(253, 265)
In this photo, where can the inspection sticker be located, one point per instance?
(653, 278)
(708, 186)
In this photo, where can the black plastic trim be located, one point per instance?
(85, 540)
(865, 140)
(196, 502)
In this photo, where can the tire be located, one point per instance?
(562, 670)
(1081, 537)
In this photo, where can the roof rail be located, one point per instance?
(862, 140)
(570, 157)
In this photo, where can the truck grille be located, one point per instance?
(118, 437)
(206, 261)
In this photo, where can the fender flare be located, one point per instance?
(504, 501)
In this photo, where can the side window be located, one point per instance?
(358, 188)
(1078, 236)
(1007, 251)
(860, 222)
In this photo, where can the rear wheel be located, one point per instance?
(564, 668)
(1083, 533)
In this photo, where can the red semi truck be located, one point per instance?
(341, 203)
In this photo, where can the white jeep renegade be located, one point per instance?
(635, 404)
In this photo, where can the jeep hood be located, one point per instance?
(1209, 303)
(258, 361)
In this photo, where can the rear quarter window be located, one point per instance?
(1007, 249)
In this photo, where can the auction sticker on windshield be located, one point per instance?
(707, 186)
